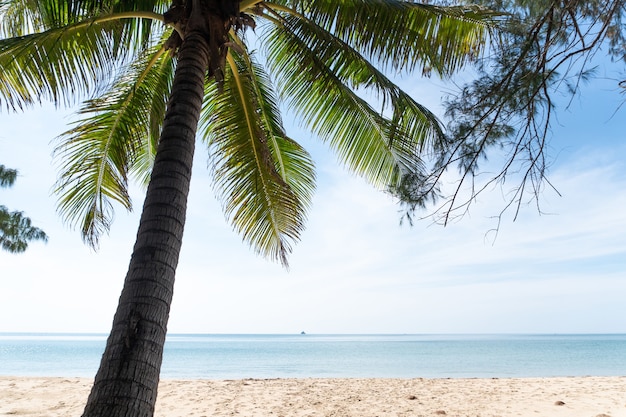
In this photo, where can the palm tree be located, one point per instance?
(155, 72)
(16, 230)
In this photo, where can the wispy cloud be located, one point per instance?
(356, 269)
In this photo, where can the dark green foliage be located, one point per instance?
(7, 176)
(15, 229)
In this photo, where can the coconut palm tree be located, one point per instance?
(155, 74)
(16, 230)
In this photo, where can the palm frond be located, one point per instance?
(402, 34)
(155, 93)
(22, 17)
(63, 63)
(292, 161)
(113, 138)
(316, 85)
(141, 32)
(353, 69)
(18, 17)
(264, 179)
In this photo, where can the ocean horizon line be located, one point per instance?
(223, 356)
(303, 333)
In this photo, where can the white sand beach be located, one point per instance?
(526, 397)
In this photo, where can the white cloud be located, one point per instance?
(356, 269)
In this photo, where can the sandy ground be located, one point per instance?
(536, 397)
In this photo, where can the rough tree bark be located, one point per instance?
(127, 380)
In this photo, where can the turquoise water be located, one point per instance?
(301, 356)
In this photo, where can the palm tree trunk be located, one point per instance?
(126, 382)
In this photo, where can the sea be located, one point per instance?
(240, 356)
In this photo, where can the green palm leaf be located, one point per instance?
(67, 61)
(115, 137)
(353, 69)
(313, 80)
(293, 162)
(264, 179)
(18, 18)
(326, 55)
(402, 34)
(22, 17)
(155, 93)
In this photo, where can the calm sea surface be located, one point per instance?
(301, 356)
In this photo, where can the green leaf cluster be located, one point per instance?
(322, 58)
(16, 230)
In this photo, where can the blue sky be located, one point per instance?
(356, 270)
